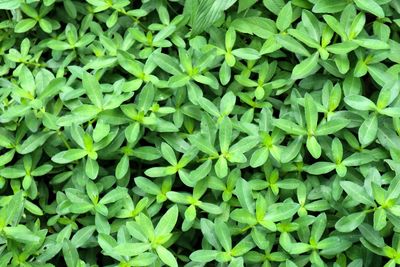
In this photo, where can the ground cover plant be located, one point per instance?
(199, 133)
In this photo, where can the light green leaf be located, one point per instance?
(320, 168)
(305, 68)
(368, 130)
(350, 222)
(357, 193)
(9, 4)
(25, 25)
(69, 156)
(225, 134)
(331, 127)
(311, 113)
(166, 256)
(21, 233)
(167, 221)
(246, 53)
(284, 17)
(93, 90)
(223, 235)
(203, 255)
(168, 154)
(370, 6)
(313, 147)
(131, 249)
(289, 127)
(281, 211)
(244, 195)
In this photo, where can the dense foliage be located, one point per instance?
(199, 132)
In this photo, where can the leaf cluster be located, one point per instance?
(199, 133)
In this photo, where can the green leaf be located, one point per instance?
(25, 25)
(167, 63)
(320, 168)
(166, 256)
(342, 48)
(245, 4)
(45, 25)
(223, 235)
(202, 144)
(357, 193)
(168, 154)
(11, 213)
(144, 259)
(82, 236)
(318, 227)
(368, 130)
(333, 245)
(70, 253)
(146, 97)
(244, 246)
(371, 235)
(130, 65)
(9, 4)
(379, 219)
(313, 147)
(190, 213)
(167, 222)
(146, 153)
(101, 131)
(244, 195)
(254, 25)
(292, 45)
(281, 211)
(131, 249)
(221, 167)
(201, 171)
(259, 157)
(230, 39)
(206, 14)
(311, 113)
(209, 106)
(164, 33)
(210, 208)
(359, 102)
(21, 233)
(122, 167)
(69, 156)
(32, 208)
(274, 5)
(203, 255)
(289, 127)
(284, 17)
(335, 25)
(12, 173)
(246, 53)
(227, 103)
(358, 159)
(304, 38)
(350, 222)
(372, 44)
(306, 67)
(225, 134)
(331, 127)
(370, 6)
(244, 145)
(93, 90)
(91, 168)
(327, 6)
(160, 171)
(178, 198)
